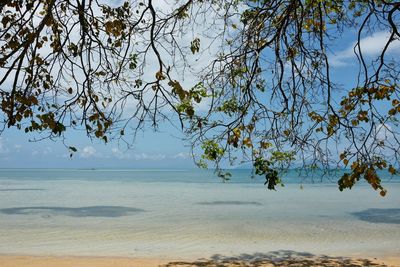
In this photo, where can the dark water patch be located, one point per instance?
(379, 215)
(222, 203)
(92, 211)
(22, 189)
(276, 258)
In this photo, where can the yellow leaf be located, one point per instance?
(247, 142)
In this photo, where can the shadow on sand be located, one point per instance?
(276, 258)
(379, 215)
(93, 211)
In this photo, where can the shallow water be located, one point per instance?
(189, 213)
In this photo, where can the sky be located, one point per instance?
(164, 149)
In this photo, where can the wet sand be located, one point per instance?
(37, 261)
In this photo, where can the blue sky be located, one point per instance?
(163, 149)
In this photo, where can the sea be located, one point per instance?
(186, 214)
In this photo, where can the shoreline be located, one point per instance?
(77, 261)
(242, 260)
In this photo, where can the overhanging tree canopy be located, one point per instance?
(271, 93)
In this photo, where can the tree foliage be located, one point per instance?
(269, 84)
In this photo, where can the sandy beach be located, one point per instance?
(290, 260)
(37, 261)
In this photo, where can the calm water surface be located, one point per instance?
(190, 213)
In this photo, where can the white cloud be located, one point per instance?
(119, 154)
(42, 152)
(88, 152)
(181, 155)
(145, 156)
(371, 46)
(47, 150)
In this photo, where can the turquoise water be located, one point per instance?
(190, 213)
(243, 176)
